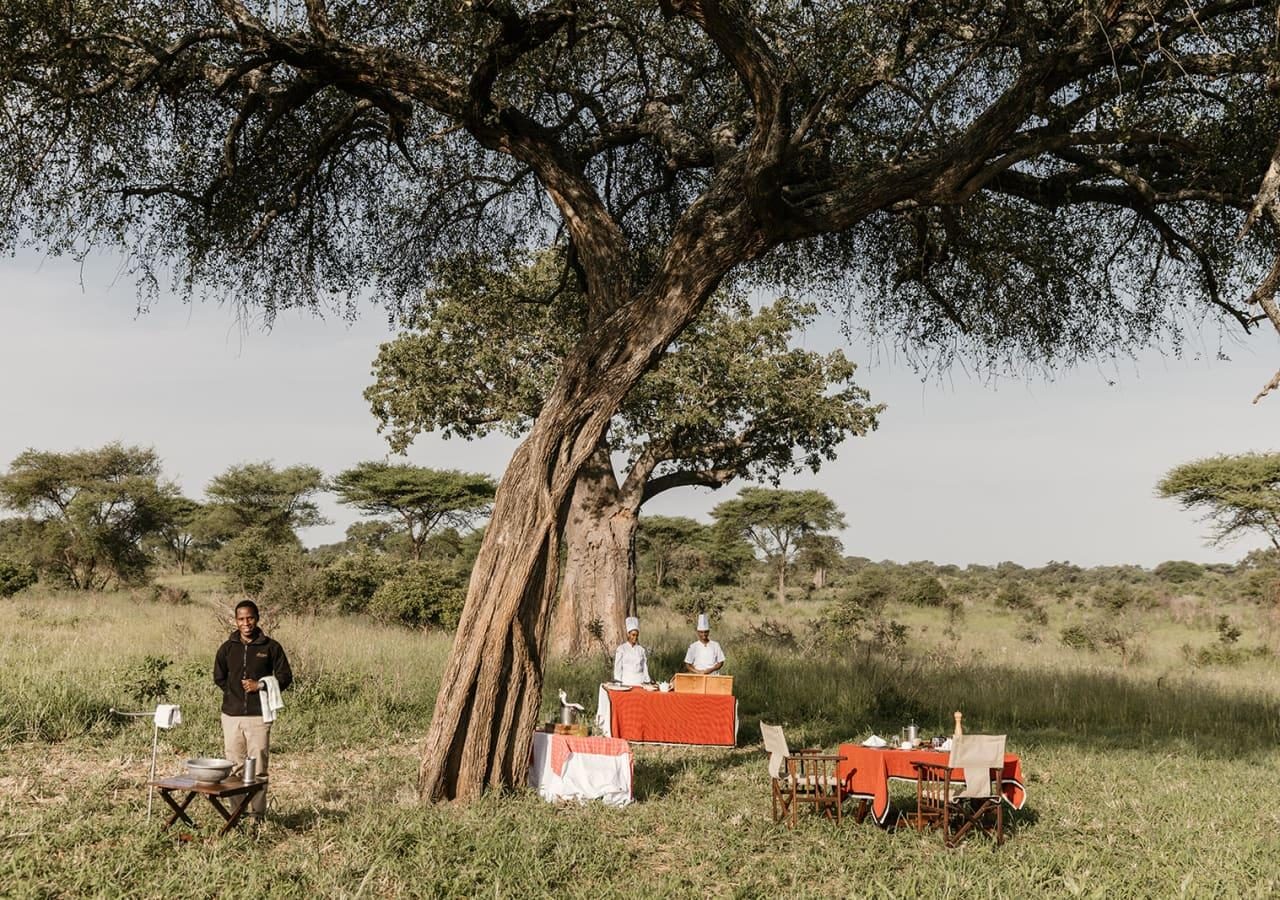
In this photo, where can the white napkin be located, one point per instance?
(946, 745)
(168, 715)
(564, 701)
(875, 741)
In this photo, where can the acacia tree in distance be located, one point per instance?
(272, 503)
(90, 511)
(423, 499)
(730, 399)
(1238, 494)
(776, 522)
(1020, 183)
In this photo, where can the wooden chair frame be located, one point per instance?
(806, 776)
(937, 807)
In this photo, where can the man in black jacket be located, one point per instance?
(241, 663)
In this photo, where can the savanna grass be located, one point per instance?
(1142, 783)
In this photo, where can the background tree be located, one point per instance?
(257, 497)
(89, 512)
(179, 530)
(424, 500)
(660, 538)
(776, 523)
(730, 399)
(1022, 183)
(1238, 494)
(819, 554)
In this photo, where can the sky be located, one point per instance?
(960, 471)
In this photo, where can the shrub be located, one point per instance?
(1113, 597)
(1178, 571)
(15, 576)
(145, 680)
(353, 579)
(1013, 595)
(174, 596)
(292, 583)
(924, 590)
(246, 560)
(423, 595)
(1079, 637)
(689, 605)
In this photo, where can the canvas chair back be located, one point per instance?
(776, 745)
(977, 755)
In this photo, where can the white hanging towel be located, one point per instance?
(272, 702)
(168, 715)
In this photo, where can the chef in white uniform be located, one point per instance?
(705, 655)
(630, 660)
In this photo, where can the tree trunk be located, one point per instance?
(781, 591)
(491, 690)
(819, 577)
(599, 587)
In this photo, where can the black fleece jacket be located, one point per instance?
(257, 659)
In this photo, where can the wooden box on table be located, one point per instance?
(688, 683)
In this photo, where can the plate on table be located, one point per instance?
(649, 687)
(617, 687)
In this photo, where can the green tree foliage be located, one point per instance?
(273, 503)
(422, 500)
(661, 538)
(1237, 494)
(89, 512)
(775, 521)
(178, 535)
(730, 398)
(424, 595)
(15, 576)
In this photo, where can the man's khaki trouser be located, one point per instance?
(244, 736)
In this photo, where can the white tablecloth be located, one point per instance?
(586, 776)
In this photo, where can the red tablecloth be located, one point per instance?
(672, 718)
(562, 745)
(866, 772)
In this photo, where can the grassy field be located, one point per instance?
(1145, 780)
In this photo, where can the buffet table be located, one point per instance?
(866, 771)
(668, 717)
(567, 767)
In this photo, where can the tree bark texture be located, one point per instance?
(599, 570)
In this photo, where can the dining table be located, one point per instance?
(867, 771)
(667, 717)
(574, 767)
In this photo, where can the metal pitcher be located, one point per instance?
(912, 733)
(568, 715)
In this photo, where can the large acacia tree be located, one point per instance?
(1022, 181)
(730, 399)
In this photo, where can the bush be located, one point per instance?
(144, 681)
(423, 595)
(1079, 637)
(173, 596)
(1178, 571)
(924, 590)
(15, 576)
(690, 605)
(1013, 595)
(292, 583)
(246, 560)
(1114, 597)
(352, 580)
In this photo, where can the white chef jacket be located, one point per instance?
(630, 664)
(704, 656)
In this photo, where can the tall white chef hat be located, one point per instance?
(632, 624)
(704, 623)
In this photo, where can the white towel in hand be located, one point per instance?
(272, 702)
(168, 715)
